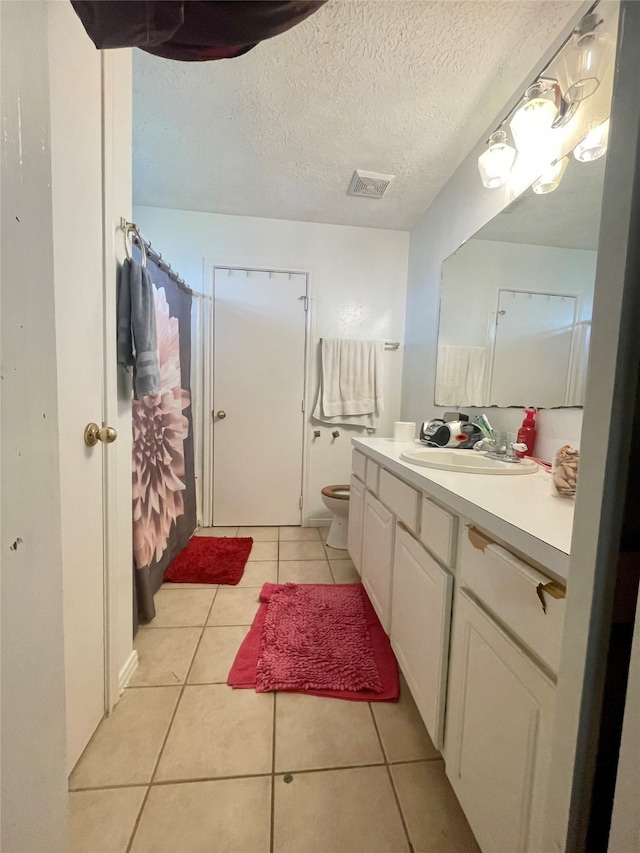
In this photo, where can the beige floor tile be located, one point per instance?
(304, 571)
(180, 608)
(324, 532)
(258, 573)
(344, 571)
(235, 606)
(216, 531)
(126, 745)
(299, 534)
(404, 737)
(264, 551)
(336, 553)
(225, 816)
(182, 586)
(216, 653)
(164, 655)
(218, 731)
(313, 732)
(435, 821)
(302, 551)
(338, 811)
(260, 534)
(102, 821)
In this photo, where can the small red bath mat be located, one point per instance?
(322, 639)
(210, 559)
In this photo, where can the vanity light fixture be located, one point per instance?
(495, 163)
(594, 145)
(550, 179)
(583, 61)
(532, 122)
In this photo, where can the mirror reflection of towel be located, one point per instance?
(460, 376)
(351, 380)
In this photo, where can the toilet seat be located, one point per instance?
(337, 492)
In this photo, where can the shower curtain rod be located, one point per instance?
(149, 252)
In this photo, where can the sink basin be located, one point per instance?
(465, 461)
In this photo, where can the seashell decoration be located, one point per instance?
(564, 472)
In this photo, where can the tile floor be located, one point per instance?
(186, 764)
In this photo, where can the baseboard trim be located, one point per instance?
(129, 667)
(319, 522)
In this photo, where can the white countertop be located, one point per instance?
(519, 509)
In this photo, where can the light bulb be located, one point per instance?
(550, 179)
(495, 163)
(594, 145)
(531, 124)
(582, 64)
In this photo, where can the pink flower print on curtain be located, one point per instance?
(159, 430)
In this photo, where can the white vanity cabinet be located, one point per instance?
(500, 710)
(420, 620)
(377, 556)
(356, 519)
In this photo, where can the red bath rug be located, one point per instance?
(210, 559)
(322, 639)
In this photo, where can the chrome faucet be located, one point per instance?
(501, 449)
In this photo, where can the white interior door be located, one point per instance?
(77, 222)
(258, 394)
(532, 353)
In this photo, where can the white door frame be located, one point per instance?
(208, 355)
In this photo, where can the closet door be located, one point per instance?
(258, 394)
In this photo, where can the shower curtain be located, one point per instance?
(164, 500)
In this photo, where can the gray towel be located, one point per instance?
(137, 336)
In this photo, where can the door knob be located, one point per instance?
(221, 414)
(93, 434)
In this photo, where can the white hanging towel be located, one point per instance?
(351, 379)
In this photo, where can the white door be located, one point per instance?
(420, 621)
(532, 330)
(77, 221)
(258, 394)
(377, 556)
(500, 712)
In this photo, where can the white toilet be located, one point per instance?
(336, 499)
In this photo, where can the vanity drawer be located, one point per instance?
(401, 499)
(359, 465)
(438, 531)
(527, 602)
(373, 476)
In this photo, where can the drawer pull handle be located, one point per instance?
(554, 589)
(478, 540)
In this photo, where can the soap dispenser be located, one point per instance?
(527, 433)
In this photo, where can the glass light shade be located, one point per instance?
(594, 144)
(550, 179)
(531, 124)
(582, 64)
(495, 163)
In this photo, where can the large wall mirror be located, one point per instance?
(516, 300)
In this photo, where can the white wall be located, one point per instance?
(32, 756)
(462, 208)
(357, 284)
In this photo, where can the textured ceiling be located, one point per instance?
(399, 87)
(568, 218)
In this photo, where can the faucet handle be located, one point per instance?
(518, 445)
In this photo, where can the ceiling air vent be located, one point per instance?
(369, 184)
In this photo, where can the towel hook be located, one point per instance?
(129, 228)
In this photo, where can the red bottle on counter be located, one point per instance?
(527, 433)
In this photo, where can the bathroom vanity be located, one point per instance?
(467, 573)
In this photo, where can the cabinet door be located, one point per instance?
(377, 556)
(356, 513)
(420, 620)
(500, 709)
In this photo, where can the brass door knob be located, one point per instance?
(93, 434)
(221, 414)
